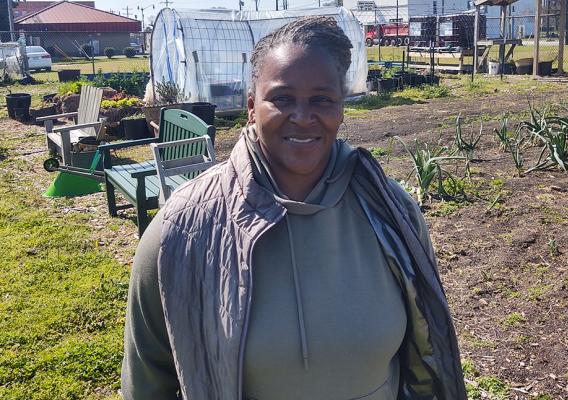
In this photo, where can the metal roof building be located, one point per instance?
(65, 16)
(23, 8)
(63, 27)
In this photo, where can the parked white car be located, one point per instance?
(38, 58)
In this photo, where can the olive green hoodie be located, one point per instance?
(327, 316)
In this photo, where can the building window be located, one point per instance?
(435, 7)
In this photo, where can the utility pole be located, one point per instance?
(127, 11)
(397, 22)
(166, 2)
(142, 11)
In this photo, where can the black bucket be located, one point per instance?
(205, 111)
(68, 75)
(545, 68)
(135, 129)
(19, 105)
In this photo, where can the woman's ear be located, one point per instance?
(250, 107)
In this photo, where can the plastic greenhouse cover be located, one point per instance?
(207, 53)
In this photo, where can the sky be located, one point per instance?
(107, 5)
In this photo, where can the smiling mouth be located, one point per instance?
(297, 140)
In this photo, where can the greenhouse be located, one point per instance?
(207, 53)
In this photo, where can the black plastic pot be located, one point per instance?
(387, 84)
(206, 112)
(431, 79)
(416, 79)
(18, 105)
(68, 75)
(135, 129)
(545, 68)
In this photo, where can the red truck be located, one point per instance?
(391, 34)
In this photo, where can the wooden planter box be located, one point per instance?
(42, 112)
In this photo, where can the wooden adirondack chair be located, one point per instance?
(60, 140)
(138, 182)
(175, 158)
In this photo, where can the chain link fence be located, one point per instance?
(87, 52)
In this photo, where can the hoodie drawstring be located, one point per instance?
(299, 302)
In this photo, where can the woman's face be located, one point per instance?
(297, 108)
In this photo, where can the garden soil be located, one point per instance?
(503, 254)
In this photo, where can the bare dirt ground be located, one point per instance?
(504, 266)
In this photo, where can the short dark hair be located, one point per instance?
(310, 32)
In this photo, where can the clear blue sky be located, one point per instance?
(197, 4)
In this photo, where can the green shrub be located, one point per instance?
(129, 52)
(72, 87)
(424, 92)
(126, 102)
(110, 52)
(132, 84)
(86, 50)
(371, 102)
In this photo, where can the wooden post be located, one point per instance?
(503, 38)
(561, 36)
(475, 38)
(536, 37)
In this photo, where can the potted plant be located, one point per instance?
(168, 95)
(135, 127)
(18, 105)
(116, 108)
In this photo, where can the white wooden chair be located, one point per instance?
(173, 169)
(86, 123)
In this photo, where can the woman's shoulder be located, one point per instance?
(205, 188)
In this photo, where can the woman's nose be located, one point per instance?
(302, 114)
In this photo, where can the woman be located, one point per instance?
(347, 303)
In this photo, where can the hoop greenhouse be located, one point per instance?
(207, 53)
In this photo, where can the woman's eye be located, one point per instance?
(322, 100)
(281, 100)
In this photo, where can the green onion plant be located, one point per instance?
(427, 167)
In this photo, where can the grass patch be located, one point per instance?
(62, 299)
(514, 319)
(480, 387)
(424, 92)
(494, 386)
(115, 64)
(446, 208)
(535, 293)
(373, 102)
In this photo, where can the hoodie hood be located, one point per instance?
(327, 192)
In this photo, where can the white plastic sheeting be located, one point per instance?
(207, 53)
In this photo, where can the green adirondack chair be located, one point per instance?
(139, 182)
